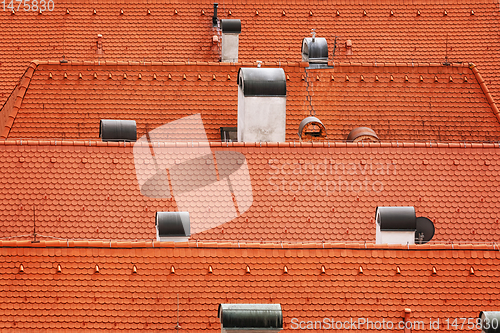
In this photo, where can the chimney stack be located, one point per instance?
(261, 105)
(230, 32)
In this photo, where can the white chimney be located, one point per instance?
(230, 32)
(261, 105)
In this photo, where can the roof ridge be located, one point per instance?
(331, 63)
(290, 144)
(10, 108)
(242, 245)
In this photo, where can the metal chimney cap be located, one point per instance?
(230, 26)
(262, 81)
(315, 49)
(396, 218)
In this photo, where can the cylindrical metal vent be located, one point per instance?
(173, 224)
(118, 130)
(230, 26)
(396, 218)
(490, 321)
(253, 317)
(262, 81)
(315, 50)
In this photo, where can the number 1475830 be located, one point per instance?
(28, 5)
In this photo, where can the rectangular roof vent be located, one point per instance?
(228, 134)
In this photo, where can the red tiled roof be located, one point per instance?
(83, 191)
(270, 36)
(78, 298)
(398, 101)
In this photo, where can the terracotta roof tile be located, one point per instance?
(297, 194)
(404, 110)
(118, 298)
(269, 36)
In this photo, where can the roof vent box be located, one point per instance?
(261, 105)
(230, 40)
(395, 225)
(172, 226)
(257, 318)
(117, 130)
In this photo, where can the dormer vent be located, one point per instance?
(172, 226)
(256, 318)
(118, 130)
(311, 128)
(261, 105)
(230, 39)
(315, 50)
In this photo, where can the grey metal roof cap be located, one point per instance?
(490, 319)
(117, 130)
(231, 26)
(396, 218)
(173, 224)
(251, 316)
(310, 120)
(262, 81)
(315, 50)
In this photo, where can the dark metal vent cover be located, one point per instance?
(117, 130)
(230, 26)
(251, 316)
(262, 81)
(396, 218)
(425, 230)
(173, 224)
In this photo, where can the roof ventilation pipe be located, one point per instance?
(230, 39)
(215, 21)
(490, 321)
(255, 318)
(315, 51)
(261, 105)
(118, 130)
(172, 226)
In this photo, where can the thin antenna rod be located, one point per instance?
(446, 63)
(34, 227)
